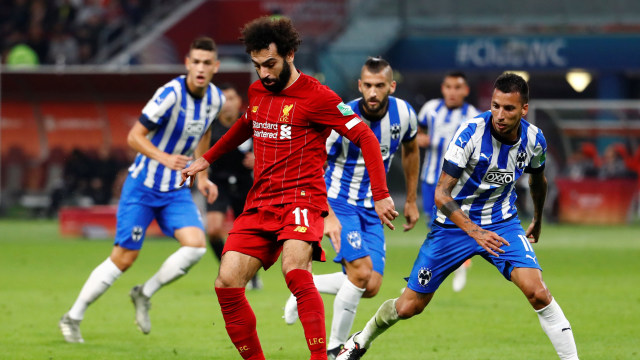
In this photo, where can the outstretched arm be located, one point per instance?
(423, 138)
(236, 135)
(205, 186)
(411, 167)
(333, 228)
(538, 189)
(489, 240)
(363, 137)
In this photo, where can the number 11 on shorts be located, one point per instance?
(297, 212)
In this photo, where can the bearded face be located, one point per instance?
(277, 83)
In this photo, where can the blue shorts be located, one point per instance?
(445, 249)
(428, 192)
(362, 234)
(139, 205)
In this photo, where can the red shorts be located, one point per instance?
(260, 232)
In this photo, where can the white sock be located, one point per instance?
(174, 267)
(329, 283)
(385, 317)
(344, 312)
(558, 329)
(101, 278)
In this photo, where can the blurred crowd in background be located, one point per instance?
(67, 178)
(422, 40)
(64, 32)
(616, 162)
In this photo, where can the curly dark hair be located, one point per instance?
(261, 32)
(510, 82)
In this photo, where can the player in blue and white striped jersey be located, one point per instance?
(476, 216)
(173, 126)
(439, 120)
(352, 225)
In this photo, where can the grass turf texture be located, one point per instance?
(593, 272)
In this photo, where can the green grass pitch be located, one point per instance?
(593, 272)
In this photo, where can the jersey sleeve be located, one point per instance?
(423, 115)
(234, 137)
(221, 100)
(459, 150)
(329, 110)
(473, 112)
(412, 130)
(537, 163)
(159, 108)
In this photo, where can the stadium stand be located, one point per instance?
(62, 111)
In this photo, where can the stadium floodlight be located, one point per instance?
(521, 73)
(578, 79)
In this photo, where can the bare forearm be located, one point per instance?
(411, 167)
(423, 139)
(449, 207)
(538, 189)
(236, 135)
(141, 144)
(452, 210)
(202, 147)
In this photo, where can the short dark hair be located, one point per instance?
(456, 74)
(258, 34)
(203, 43)
(510, 82)
(376, 64)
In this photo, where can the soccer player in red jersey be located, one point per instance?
(290, 116)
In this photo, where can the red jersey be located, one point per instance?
(289, 130)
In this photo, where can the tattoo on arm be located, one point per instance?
(449, 208)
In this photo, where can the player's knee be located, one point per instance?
(541, 297)
(371, 291)
(223, 281)
(408, 309)
(373, 286)
(538, 296)
(361, 276)
(123, 258)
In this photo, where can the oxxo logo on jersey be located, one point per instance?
(498, 177)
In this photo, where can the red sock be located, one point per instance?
(240, 322)
(310, 311)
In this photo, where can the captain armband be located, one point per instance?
(449, 208)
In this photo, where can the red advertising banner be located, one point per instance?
(94, 222)
(595, 201)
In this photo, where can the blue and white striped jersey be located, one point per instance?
(346, 176)
(487, 169)
(442, 124)
(177, 121)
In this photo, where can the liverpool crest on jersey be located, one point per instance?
(284, 117)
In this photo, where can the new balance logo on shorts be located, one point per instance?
(302, 229)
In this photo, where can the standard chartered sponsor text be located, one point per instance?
(264, 125)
